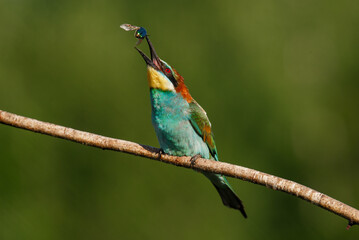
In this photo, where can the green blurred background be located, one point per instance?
(278, 79)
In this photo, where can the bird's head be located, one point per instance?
(161, 75)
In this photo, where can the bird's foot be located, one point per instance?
(351, 223)
(194, 158)
(160, 152)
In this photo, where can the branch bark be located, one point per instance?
(205, 165)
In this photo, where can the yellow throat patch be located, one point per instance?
(158, 81)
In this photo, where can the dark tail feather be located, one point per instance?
(230, 199)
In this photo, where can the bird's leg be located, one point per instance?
(194, 158)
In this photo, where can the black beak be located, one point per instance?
(155, 61)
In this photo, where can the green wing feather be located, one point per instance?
(202, 125)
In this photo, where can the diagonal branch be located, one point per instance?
(247, 174)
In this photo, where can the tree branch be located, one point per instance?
(247, 174)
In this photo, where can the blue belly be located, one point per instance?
(170, 118)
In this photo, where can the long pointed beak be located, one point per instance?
(155, 61)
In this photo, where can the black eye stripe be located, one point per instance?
(173, 80)
(168, 72)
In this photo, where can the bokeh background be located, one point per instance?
(278, 79)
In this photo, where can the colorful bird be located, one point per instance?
(182, 126)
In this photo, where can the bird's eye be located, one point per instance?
(168, 70)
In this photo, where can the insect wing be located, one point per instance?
(138, 41)
(129, 27)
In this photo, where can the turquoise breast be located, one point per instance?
(170, 118)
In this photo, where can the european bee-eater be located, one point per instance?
(182, 126)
